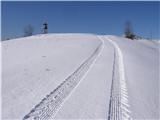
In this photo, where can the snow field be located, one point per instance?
(48, 106)
(80, 76)
(34, 66)
(91, 97)
(141, 63)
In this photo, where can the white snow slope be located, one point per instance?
(80, 76)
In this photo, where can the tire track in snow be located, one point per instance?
(119, 108)
(114, 104)
(49, 105)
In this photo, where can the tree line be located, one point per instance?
(128, 31)
(29, 29)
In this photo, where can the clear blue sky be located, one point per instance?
(85, 17)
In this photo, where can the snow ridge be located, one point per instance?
(49, 106)
(119, 103)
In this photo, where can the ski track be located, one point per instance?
(119, 108)
(50, 105)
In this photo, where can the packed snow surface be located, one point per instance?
(80, 76)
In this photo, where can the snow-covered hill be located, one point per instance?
(80, 76)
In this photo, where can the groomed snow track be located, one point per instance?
(49, 106)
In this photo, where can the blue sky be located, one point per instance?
(105, 17)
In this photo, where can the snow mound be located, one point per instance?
(79, 76)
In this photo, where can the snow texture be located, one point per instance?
(80, 76)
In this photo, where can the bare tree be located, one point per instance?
(28, 30)
(129, 30)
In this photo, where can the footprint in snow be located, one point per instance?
(47, 69)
